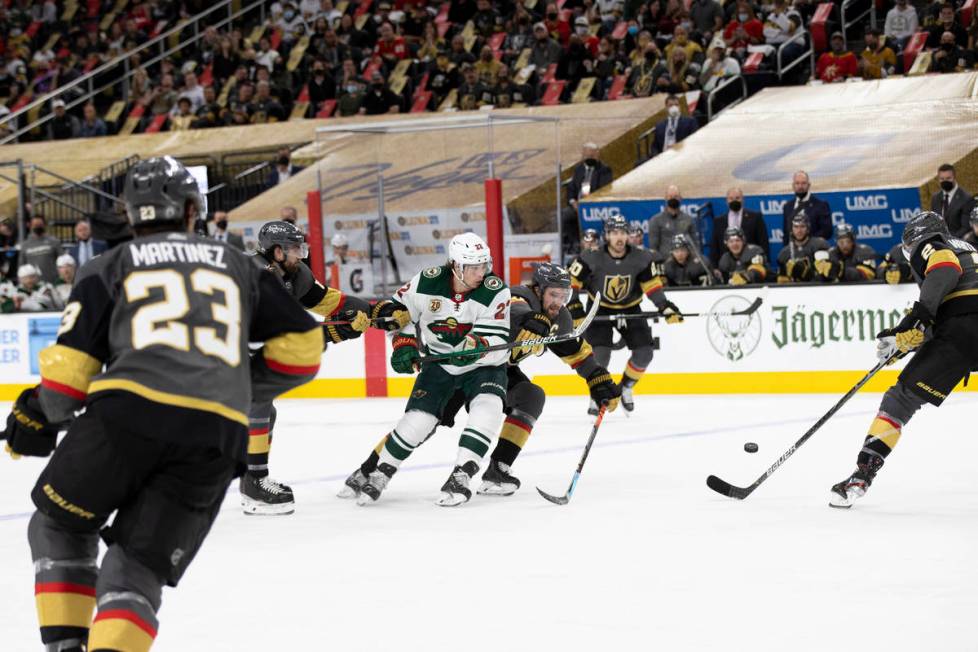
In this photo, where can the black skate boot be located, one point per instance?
(353, 485)
(375, 485)
(856, 485)
(456, 490)
(265, 497)
(497, 480)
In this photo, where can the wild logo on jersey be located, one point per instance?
(449, 330)
(616, 287)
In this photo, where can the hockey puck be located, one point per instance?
(750, 447)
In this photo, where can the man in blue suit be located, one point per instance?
(283, 169)
(816, 210)
(674, 128)
(85, 247)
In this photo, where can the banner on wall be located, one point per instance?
(877, 215)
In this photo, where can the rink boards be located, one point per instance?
(801, 340)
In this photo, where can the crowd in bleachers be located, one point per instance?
(320, 58)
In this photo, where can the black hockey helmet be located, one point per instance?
(734, 232)
(973, 219)
(157, 191)
(550, 275)
(800, 218)
(679, 241)
(590, 234)
(279, 233)
(615, 222)
(844, 230)
(922, 226)
(636, 229)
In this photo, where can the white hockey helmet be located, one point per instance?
(469, 249)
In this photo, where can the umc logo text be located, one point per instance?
(866, 203)
(599, 214)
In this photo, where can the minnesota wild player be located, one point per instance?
(462, 308)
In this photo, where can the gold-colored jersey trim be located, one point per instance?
(942, 257)
(959, 293)
(166, 398)
(296, 349)
(67, 366)
(329, 303)
(579, 356)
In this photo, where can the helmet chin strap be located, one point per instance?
(460, 277)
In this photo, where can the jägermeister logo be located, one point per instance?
(449, 331)
(733, 336)
(803, 325)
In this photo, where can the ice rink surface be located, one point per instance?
(644, 557)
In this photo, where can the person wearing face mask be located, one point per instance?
(582, 28)
(283, 169)
(817, 211)
(507, 93)
(221, 231)
(589, 175)
(743, 30)
(672, 221)
(681, 41)
(545, 50)
(443, 76)
(650, 76)
(901, 23)
(41, 250)
(557, 27)
(379, 99)
(487, 67)
(486, 20)
(322, 86)
(952, 202)
(949, 57)
(838, 64)
(673, 129)
(575, 62)
(947, 22)
(751, 224)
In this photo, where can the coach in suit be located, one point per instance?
(750, 222)
(283, 170)
(86, 247)
(673, 129)
(221, 231)
(816, 210)
(952, 202)
(589, 175)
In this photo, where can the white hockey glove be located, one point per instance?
(885, 348)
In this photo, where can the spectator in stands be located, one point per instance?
(472, 93)
(283, 169)
(681, 40)
(85, 247)
(193, 91)
(751, 223)
(743, 30)
(947, 22)
(322, 86)
(226, 60)
(349, 34)
(182, 118)
(642, 42)
(379, 99)
(672, 221)
(838, 64)
(140, 87)
(66, 277)
(290, 22)
(718, 66)
(40, 249)
(519, 35)
(546, 51)
(486, 20)
(558, 28)
(973, 34)
(36, 294)
(952, 202)
(682, 267)
(674, 129)
(390, 47)
(163, 97)
(63, 125)
(418, 29)
(507, 93)
(288, 214)
(8, 249)
(816, 211)
(707, 17)
(266, 56)
(684, 74)
(443, 77)
(949, 57)
(877, 61)
(221, 231)
(901, 23)
(487, 68)
(780, 26)
(589, 175)
(211, 114)
(575, 62)
(92, 125)
(340, 245)
(650, 76)
(458, 54)
(267, 108)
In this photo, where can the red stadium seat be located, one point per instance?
(753, 62)
(156, 124)
(819, 26)
(496, 41)
(549, 73)
(303, 94)
(422, 85)
(31, 30)
(914, 46)
(362, 8)
(442, 16)
(967, 10)
(621, 29)
(206, 77)
(421, 101)
(326, 109)
(552, 94)
(276, 39)
(21, 102)
(617, 87)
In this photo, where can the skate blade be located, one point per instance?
(451, 500)
(494, 489)
(838, 502)
(346, 493)
(256, 508)
(364, 500)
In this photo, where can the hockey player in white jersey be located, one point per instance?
(461, 308)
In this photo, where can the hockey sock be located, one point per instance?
(125, 622)
(370, 464)
(512, 438)
(884, 433)
(259, 444)
(632, 374)
(409, 433)
(485, 417)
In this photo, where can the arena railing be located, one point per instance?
(800, 37)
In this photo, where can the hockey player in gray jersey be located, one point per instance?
(848, 260)
(741, 263)
(894, 268)
(623, 276)
(281, 251)
(681, 268)
(796, 262)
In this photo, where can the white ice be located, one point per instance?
(644, 556)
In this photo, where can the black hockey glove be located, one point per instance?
(28, 431)
(907, 335)
(576, 310)
(390, 315)
(336, 333)
(672, 313)
(603, 389)
(799, 269)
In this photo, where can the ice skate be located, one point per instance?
(456, 490)
(627, 398)
(497, 480)
(375, 484)
(854, 487)
(265, 497)
(352, 485)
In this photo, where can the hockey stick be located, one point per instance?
(749, 310)
(727, 489)
(563, 500)
(549, 339)
(344, 322)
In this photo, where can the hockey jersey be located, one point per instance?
(621, 281)
(859, 265)
(692, 273)
(750, 264)
(441, 317)
(796, 260)
(576, 353)
(953, 254)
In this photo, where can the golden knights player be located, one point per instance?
(894, 268)
(741, 263)
(848, 260)
(971, 237)
(622, 274)
(682, 268)
(796, 262)
(153, 345)
(942, 327)
(281, 250)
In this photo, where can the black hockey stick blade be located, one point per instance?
(725, 488)
(556, 500)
